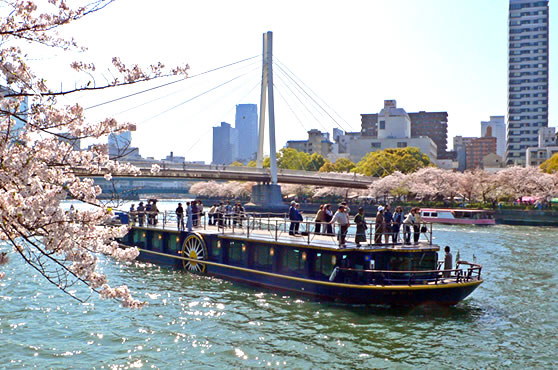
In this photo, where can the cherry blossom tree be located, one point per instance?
(395, 184)
(37, 168)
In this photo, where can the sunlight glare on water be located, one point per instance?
(511, 320)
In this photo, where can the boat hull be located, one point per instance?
(405, 295)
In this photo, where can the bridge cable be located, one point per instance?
(280, 66)
(301, 102)
(197, 96)
(204, 135)
(169, 83)
(163, 97)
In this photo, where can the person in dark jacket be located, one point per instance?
(388, 220)
(292, 218)
(398, 218)
(360, 223)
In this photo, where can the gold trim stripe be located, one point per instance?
(319, 282)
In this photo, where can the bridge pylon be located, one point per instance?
(267, 195)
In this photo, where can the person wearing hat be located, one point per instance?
(343, 220)
(379, 227)
(141, 213)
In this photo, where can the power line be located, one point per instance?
(168, 83)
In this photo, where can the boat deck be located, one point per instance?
(305, 239)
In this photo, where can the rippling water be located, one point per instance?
(509, 321)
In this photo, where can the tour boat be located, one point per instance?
(458, 216)
(259, 251)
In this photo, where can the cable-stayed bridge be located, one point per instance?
(261, 175)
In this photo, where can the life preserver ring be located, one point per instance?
(195, 249)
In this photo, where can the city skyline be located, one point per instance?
(423, 54)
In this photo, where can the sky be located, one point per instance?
(431, 55)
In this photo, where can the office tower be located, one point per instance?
(435, 126)
(225, 144)
(118, 144)
(246, 124)
(496, 127)
(527, 76)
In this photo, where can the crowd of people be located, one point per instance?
(387, 226)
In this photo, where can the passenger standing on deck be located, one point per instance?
(221, 215)
(154, 212)
(448, 262)
(328, 216)
(194, 206)
(189, 217)
(388, 220)
(132, 214)
(342, 219)
(180, 217)
(292, 218)
(409, 222)
(141, 213)
(360, 222)
(397, 221)
(228, 213)
(417, 228)
(148, 213)
(200, 213)
(211, 214)
(380, 226)
(319, 219)
(298, 217)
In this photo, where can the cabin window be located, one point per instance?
(263, 257)
(424, 261)
(216, 248)
(426, 214)
(323, 264)
(174, 243)
(236, 253)
(157, 241)
(434, 214)
(292, 261)
(139, 237)
(399, 263)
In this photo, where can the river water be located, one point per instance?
(509, 321)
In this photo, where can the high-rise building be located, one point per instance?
(120, 146)
(496, 127)
(435, 126)
(246, 123)
(527, 76)
(476, 149)
(16, 113)
(225, 144)
(430, 124)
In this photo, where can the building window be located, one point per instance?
(402, 144)
(382, 125)
(376, 145)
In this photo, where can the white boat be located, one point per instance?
(458, 216)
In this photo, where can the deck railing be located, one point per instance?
(385, 277)
(277, 225)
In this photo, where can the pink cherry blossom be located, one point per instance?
(38, 171)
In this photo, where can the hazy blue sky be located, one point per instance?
(433, 55)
